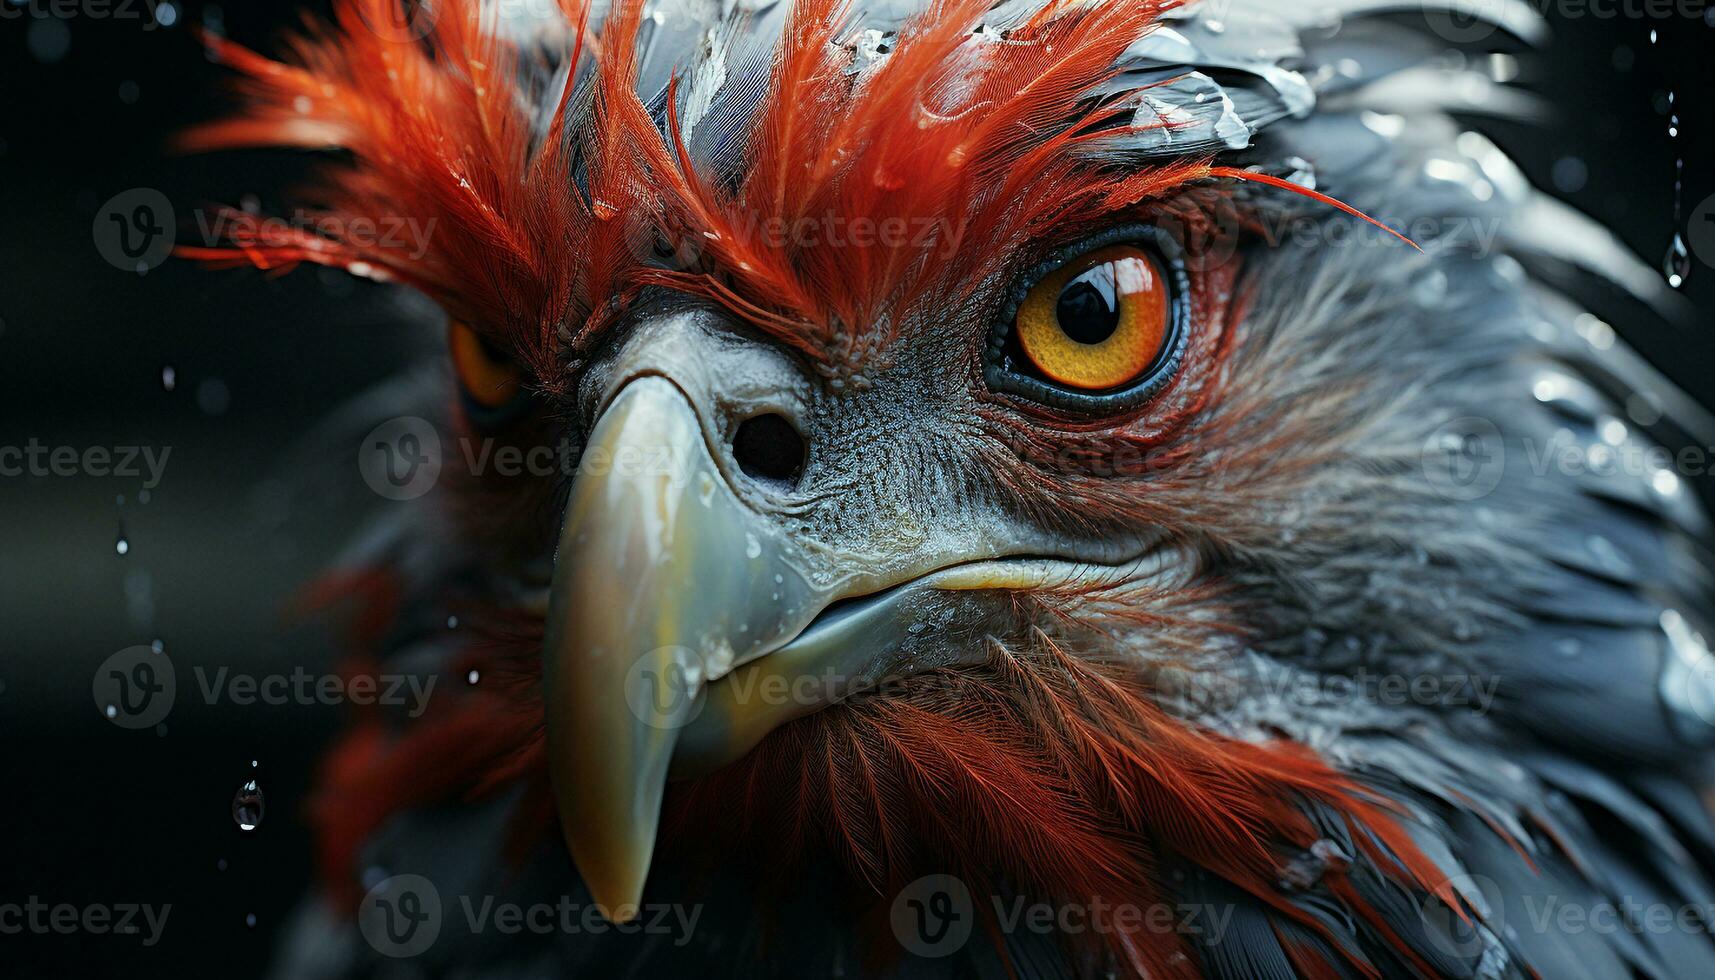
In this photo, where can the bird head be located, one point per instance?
(967, 443)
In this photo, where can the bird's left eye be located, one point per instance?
(492, 384)
(1099, 328)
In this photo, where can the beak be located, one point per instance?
(684, 625)
(664, 581)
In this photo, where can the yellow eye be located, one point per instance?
(1098, 321)
(489, 379)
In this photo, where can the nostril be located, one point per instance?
(769, 448)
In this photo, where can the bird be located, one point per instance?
(1037, 488)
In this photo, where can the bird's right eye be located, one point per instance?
(1098, 327)
(491, 383)
(1097, 322)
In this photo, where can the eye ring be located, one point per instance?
(1007, 371)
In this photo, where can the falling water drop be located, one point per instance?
(169, 378)
(123, 545)
(1677, 263)
(247, 806)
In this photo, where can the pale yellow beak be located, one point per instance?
(664, 582)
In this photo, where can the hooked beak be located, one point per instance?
(664, 581)
(678, 614)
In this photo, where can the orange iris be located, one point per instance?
(488, 378)
(1097, 322)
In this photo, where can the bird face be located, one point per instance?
(956, 457)
(805, 538)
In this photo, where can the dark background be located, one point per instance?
(91, 813)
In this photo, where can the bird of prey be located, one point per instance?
(973, 457)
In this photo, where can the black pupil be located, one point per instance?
(1088, 309)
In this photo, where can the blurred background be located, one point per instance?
(228, 372)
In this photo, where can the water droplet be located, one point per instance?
(250, 920)
(752, 547)
(452, 622)
(169, 378)
(157, 646)
(123, 545)
(472, 677)
(247, 806)
(112, 711)
(1677, 263)
(220, 865)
